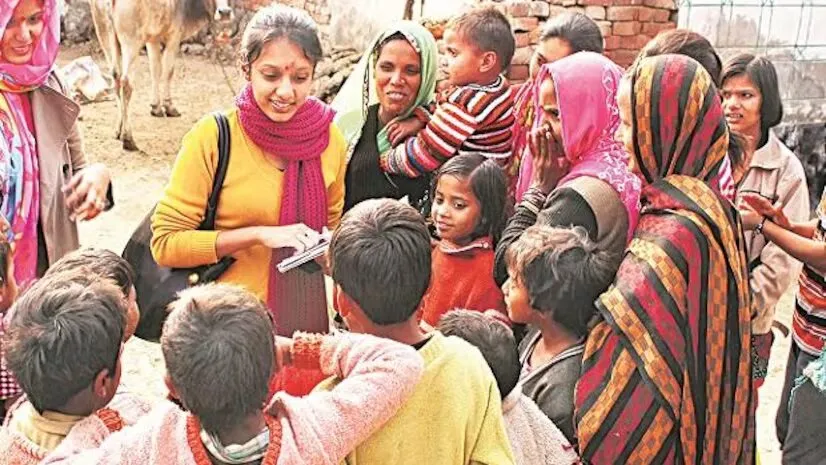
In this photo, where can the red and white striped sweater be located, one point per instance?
(472, 119)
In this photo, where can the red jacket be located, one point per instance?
(462, 279)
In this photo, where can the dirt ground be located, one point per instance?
(198, 88)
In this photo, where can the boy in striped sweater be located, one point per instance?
(476, 114)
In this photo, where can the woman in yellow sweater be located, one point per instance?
(284, 182)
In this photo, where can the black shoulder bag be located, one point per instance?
(158, 286)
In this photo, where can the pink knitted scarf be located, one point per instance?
(297, 299)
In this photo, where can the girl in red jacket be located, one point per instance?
(469, 193)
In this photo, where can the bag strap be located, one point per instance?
(224, 144)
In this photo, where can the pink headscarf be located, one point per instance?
(23, 78)
(19, 173)
(586, 88)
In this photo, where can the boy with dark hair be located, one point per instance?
(477, 114)
(220, 353)
(380, 261)
(107, 265)
(555, 275)
(533, 436)
(63, 345)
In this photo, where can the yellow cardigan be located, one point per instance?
(251, 196)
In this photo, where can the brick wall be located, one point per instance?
(627, 25)
(318, 9)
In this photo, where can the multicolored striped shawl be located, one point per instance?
(667, 374)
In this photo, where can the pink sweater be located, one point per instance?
(17, 449)
(379, 375)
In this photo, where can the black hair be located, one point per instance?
(278, 21)
(219, 349)
(688, 43)
(64, 330)
(564, 273)
(762, 74)
(492, 338)
(580, 32)
(380, 256)
(489, 185)
(102, 262)
(488, 29)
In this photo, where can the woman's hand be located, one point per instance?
(763, 207)
(549, 162)
(86, 192)
(749, 217)
(297, 236)
(399, 131)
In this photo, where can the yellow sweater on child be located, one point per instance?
(251, 196)
(453, 418)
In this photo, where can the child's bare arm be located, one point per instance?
(378, 376)
(808, 251)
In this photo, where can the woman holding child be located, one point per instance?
(667, 372)
(285, 180)
(395, 79)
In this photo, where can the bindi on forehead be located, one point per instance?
(290, 67)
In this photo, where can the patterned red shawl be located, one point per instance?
(667, 374)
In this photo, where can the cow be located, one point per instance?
(124, 27)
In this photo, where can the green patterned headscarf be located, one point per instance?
(359, 92)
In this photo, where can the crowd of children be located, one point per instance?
(537, 323)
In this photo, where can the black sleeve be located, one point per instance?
(565, 208)
(804, 443)
(522, 219)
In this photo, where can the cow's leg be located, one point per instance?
(130, 49)
(170, 54)
(107, 36)
(153, 51)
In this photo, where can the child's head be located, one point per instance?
(492, 338)
(556, 274)
(480, 46)
(469, 196)
(218, 346)
(8, 285)
(109, 265)
(64, 342)
(380, 262)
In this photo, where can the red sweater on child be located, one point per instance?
(462, 279)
